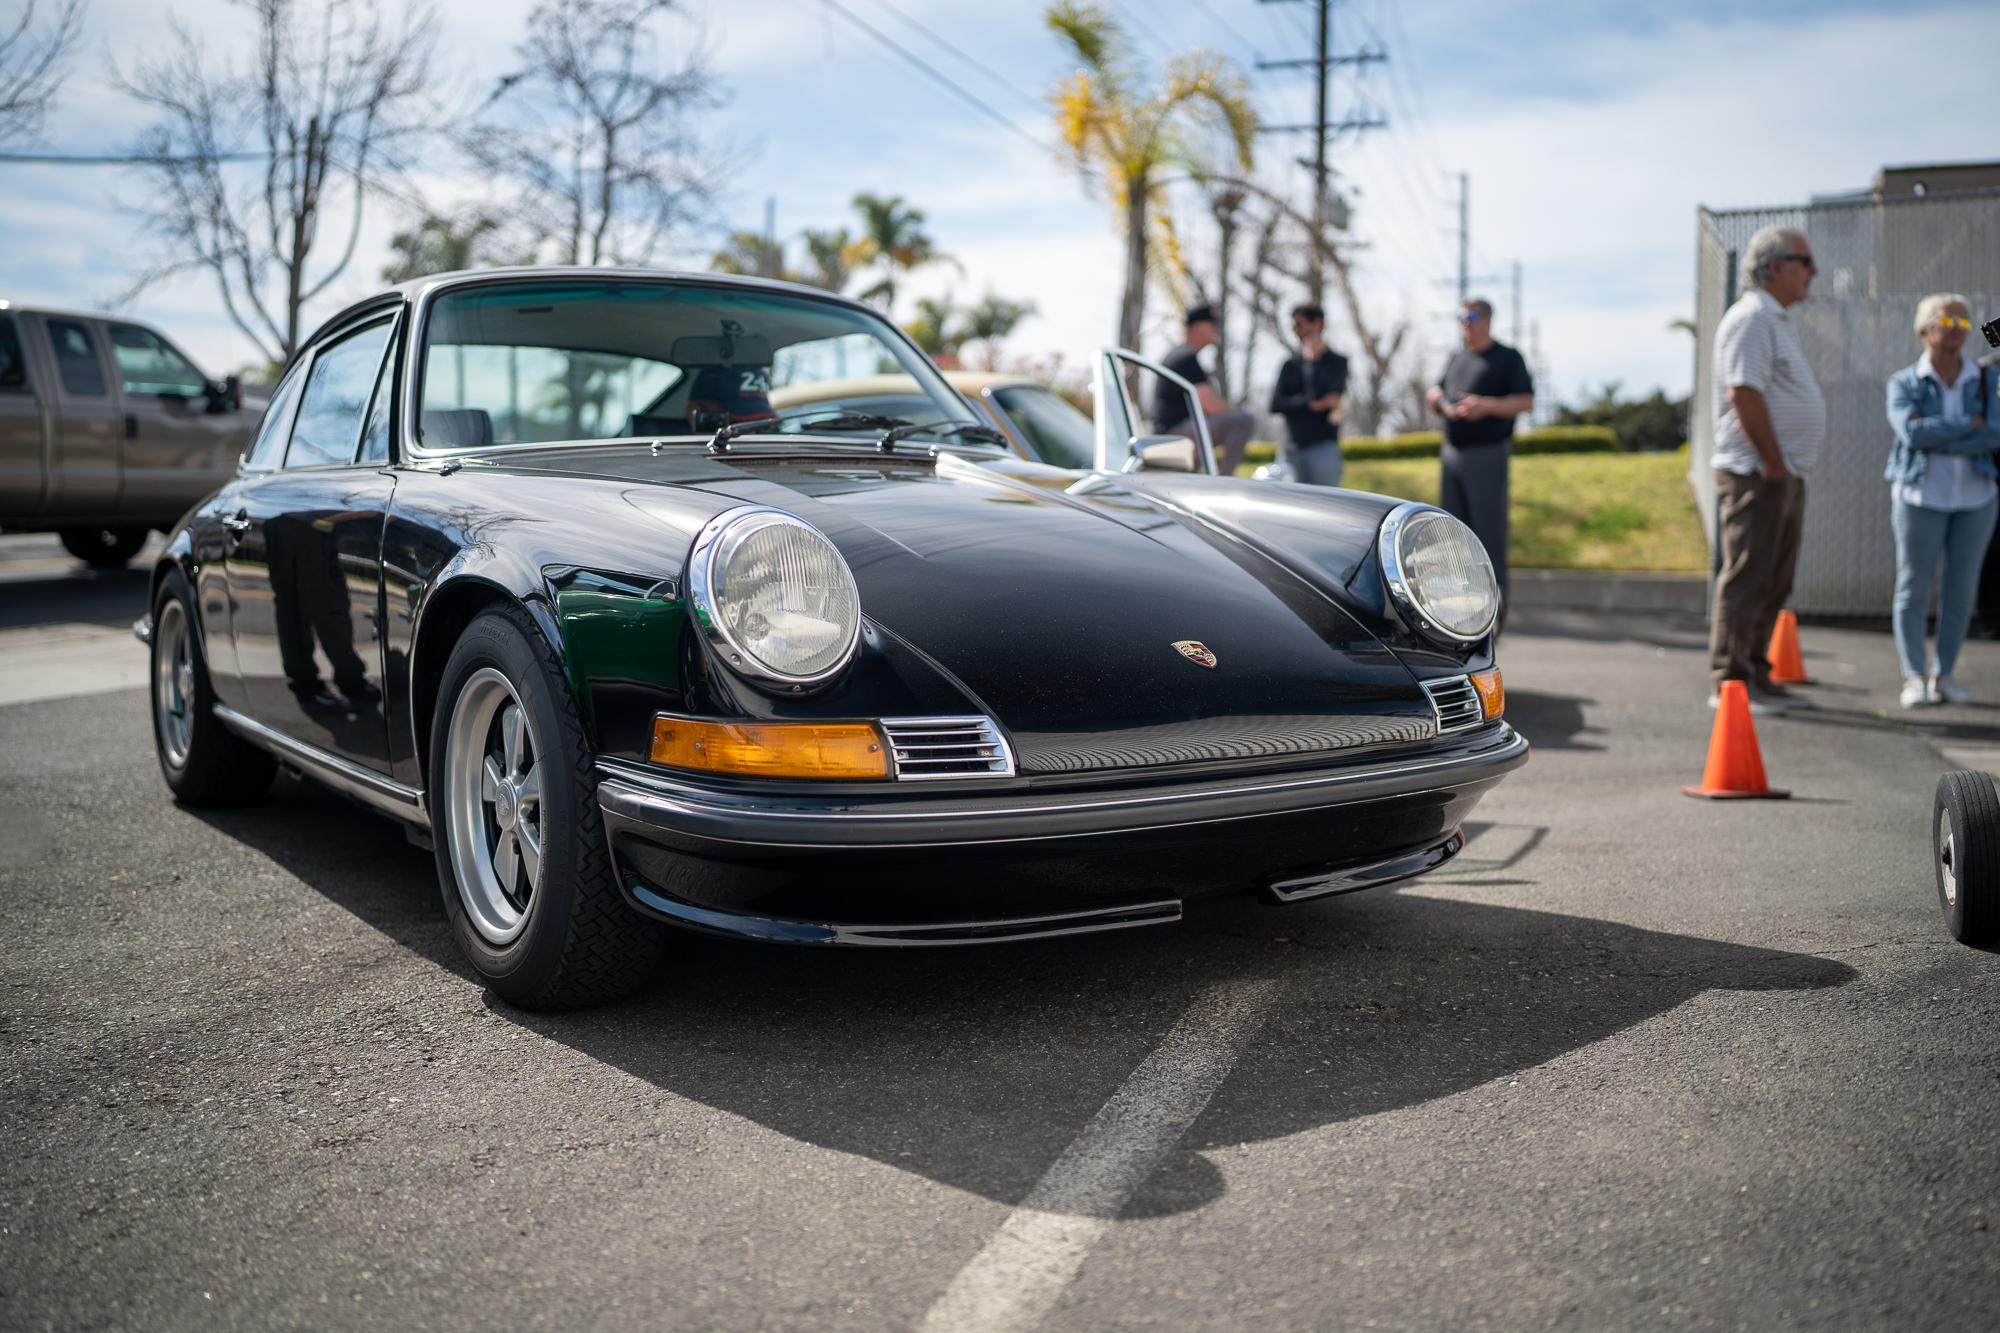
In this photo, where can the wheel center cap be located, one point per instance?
(504, 805)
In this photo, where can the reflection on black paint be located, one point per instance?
(309, 600)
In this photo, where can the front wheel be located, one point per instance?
(527, 878)
(1965, 846)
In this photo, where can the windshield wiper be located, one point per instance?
(887, 444)
(841, 420)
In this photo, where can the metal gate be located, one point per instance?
(1877, 258)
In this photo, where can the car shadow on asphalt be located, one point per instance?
(1551, 721)
(977, 1067)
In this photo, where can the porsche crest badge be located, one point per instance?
(1195, 652)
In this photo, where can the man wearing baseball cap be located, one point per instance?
(1228, 428)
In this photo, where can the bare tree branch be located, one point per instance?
(32, 67)
(335, 95)
(597, 128)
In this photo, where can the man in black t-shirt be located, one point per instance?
(1485, 386)
(1307, 395)
(1228, 428)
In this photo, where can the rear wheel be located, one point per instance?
(204, 762)
(526, 875)
(103, 548)
(1965, 841)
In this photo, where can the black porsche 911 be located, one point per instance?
(654, 600)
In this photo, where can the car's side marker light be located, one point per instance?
(1492, 694)
(771, 749)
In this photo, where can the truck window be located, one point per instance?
(76, 359)
(147, 363)
(13, 366)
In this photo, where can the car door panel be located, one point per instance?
(88, 427)
(176, 450)
(304, 571)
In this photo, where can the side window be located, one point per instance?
(277, 424)
(13, 365)
(148, 363)
(375, 439)
(335, 397)
(76, 359)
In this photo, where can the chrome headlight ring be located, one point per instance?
(708, 561)
(1406, 521)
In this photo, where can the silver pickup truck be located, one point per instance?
(108, 430)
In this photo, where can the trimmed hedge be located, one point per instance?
(1424, 444)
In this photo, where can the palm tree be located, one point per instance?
(831, 252)
(1114, 125)
(892, 236)
(748, 252)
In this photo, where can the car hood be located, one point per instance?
(1085, 615)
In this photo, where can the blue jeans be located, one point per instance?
(1921, 534)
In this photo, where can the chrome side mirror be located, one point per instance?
(1163, 453)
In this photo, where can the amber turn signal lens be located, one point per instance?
(771, 749)
(1492, 695)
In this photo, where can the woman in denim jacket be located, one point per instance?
(1943, 494)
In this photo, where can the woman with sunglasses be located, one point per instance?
(1943, 493)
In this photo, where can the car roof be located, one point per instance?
(977, 381)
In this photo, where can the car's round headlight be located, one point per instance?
(1439, 574)
(776, 594)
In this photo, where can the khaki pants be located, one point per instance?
(1760, 526)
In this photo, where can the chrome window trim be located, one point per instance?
(1388, 547)
(699, 589)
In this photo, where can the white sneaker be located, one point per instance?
(1916, 693)
(1946, 690)
(1761, 704)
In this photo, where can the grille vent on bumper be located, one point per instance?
(1457, 703)
(930, 748)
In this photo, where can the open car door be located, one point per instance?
(1122, 443)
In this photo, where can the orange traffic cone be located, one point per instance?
(1735, 768)
(1787, 666)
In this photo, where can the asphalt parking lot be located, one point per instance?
(1635, 1061)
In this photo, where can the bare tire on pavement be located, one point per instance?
(1965, 844)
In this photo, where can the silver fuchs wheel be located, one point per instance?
(524, 870)
(496, 793)
(173, 684)
(203, 762)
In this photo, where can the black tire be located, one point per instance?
(1965, 847)
(204, 762)
(103, 548)
(544, 923)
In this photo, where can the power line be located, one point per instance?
(954, 89)
(87, 160)
(987, 70)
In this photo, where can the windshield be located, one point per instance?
(530, 361)
(1057, 432)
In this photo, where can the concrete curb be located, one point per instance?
(1610, 590)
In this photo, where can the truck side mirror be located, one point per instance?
(225, 396)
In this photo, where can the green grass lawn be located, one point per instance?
(1575, 511)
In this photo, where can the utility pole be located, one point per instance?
(1322, 127)
(1464, 238)
(1517, 304)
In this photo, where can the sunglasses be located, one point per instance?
(1952, 322)
(1471, 317)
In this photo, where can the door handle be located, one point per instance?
(239, 524)
(131, 426)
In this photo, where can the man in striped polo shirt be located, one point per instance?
(1769, 421)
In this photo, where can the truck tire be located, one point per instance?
(103, 548)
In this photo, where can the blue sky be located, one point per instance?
(1590, 131)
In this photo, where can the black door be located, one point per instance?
(305, 568)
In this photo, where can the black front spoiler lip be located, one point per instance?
(699, 818)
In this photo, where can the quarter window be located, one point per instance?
(336, 395)
(148, 363)
(277, 424)
(76, 359)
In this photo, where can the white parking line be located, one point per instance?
(1014, 1281)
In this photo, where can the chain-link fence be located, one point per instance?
(1877, 258)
